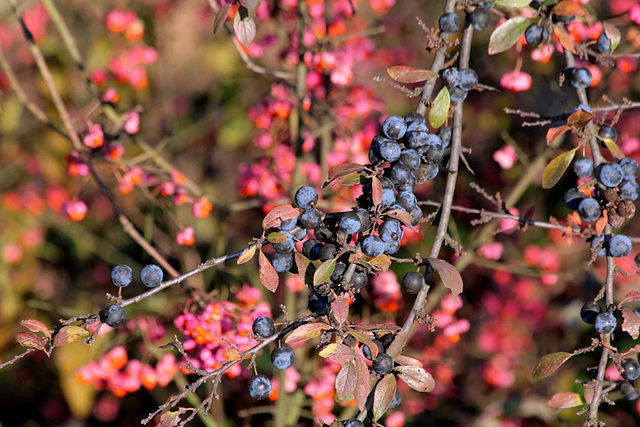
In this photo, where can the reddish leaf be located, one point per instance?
(344, 169)
(556, 168)
(401, 215)
(550, 363)
(362, 383)
(340, 309)
(247, 255)
(565, 39)
(36, 326)
(383, 396)
(68, 334)
(631, 323)
(29, 339)
(323, 273)
(278, 214)
(406, 74)
(633, 296)
(601, 223)
(221, 17)
(302, 262)
(268, 275)
(408, 361)
(307, 332)
(380, 263)
(567, 8)
(244, 28)
(376, 191)
(251, 5)
(416, 378)
(338, 353)
(171, 418)
(450, 277)
(346, 381)
(565, 399)
(555, 132)
(378, 327)
(397, 345)
(507, 34)
(366, 340)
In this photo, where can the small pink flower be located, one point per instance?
(132, 122)
(185, 237)
(110, 95)
(75, 210)
(202, 208)
(542, 53)
(491, 251)
(95, 137)
(505, 157)
(516, 81)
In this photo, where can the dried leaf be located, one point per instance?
(338, 353)
(221, 17)
(440, 110)
(633, 296)
(323, 273)
(565, 399)
(268, 275)
(68, 334)
(401, 215)
(550, 363)
(631, 323)
(580, 118)
(306, 332)
(555, 132)
(29, 339)
(303, 263)
(512, 3)
(340, 309)
(397, 345)
(380, 263)
(556, 168)
(567, 8)
(346, 381)
(613, 147)
(376, 191)
(232, 354)
(247, 255)
(565, 39)
(171, 418)
(278, 214)
(252, 6)
(36, 326)
(507, 34)
(244, 28)
(363, 386)
(416, 378)
(378, 327)
(408, 361)
(613, 33)
(601, 223)
(344, 169)
(406, 74)
(383, 396)
(450, 277)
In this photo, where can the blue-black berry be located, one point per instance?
(412, 282)
(283, 357)
(605, 323)
(629, 190)
(589, 312)
(480, 18)
(259, 387)
(151, 275)
(628, 391)
(394, 127)
(629, 167)
(589, 209)
(619, 246)
(579, 77)
(121, 275)
(306, 197)
(630, 369)
(383, 364)
(311, 218)
(609, 174)
(603, 44)
(113, 316)
(353, 422)
(282, 261)
(449, 23)
(397, 399)
(535, 34)
(372, 246)
(583, 167)
(573, 197)
(264, 327)
(608, 132)
(451, 76)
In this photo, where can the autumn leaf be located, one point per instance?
(346, 381)
(36, 326)
(406, 74)
(449, 276)
(68, 334)
(383, 396)
(278, 214)
(550, 363)
(416, 378)
(507, 34)
(247, 255)
(306, 332)
(556, 168)
(29, 339)
(565, 399)
(268, 275)
(631, 323)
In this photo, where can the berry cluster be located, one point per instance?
(459, 82)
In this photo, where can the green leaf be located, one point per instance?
(512, 3)
(440, 110)
(613, 147)
(383, 396)
(276, 237)
(507, 34)
(550, 363)
(556, 168)
(323, 273)
(613, 33)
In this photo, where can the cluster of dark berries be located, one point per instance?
(616, 189)
(151, 275)
(122, 276)
(459, 82)
(282, 357)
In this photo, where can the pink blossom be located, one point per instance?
(492, 251)
(516, 81)
(506, 157)
(132, 122)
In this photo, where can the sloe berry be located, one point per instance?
(311, 218)
(603, 44)
(113, 316)
(286, 245)
(282, 261)
(589, 312)
(573, 197)
(619, 246)
(628, 391)
(629, 167)
(589, 209)
(579, 77)
(306, 197)
(151, 275)
(373, 246)
(283, 357)
(535, 34)
(609, 174)
(605, 323)
(121, 275)
(383, 364)
(350, 222)
(480, 18)
(629, 190)
(608, 132)
(394, 127)
(264, 327)
(451, 76)
(259, 387)
(583, 167)
(449, 23)
(390, 230)
(630, 369)
(412, 282)
(397, 399)
(468, 79)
